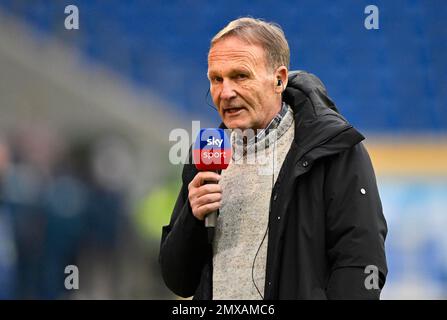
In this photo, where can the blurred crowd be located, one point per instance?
(66, 203)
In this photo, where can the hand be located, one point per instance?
(205, 195)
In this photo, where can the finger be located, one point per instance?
(195, 193)
(206, 189)
(208, 198)
(196, 201)
(202, 211)
(205, 176)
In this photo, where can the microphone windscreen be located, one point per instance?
(212, 150)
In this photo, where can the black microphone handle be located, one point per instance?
(211, 222)
(211, 219)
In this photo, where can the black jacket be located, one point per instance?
(330, 225)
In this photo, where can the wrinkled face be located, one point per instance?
(241, 85)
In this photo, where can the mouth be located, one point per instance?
(233, 111)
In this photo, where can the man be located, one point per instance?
(314, 228)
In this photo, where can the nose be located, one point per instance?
(227, 92)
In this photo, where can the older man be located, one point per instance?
(311, 229)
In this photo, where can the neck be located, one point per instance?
(272, 124)
(276, 110)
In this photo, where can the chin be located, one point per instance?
(236, 124)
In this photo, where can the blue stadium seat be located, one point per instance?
(376, 75)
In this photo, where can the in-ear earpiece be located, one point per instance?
(279, 82)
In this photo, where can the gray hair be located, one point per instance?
(268, 35)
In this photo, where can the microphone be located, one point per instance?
(211, 152)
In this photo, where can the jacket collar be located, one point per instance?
(318, 125)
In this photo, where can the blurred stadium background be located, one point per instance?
(85, 117)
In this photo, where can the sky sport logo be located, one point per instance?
(212, 150)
